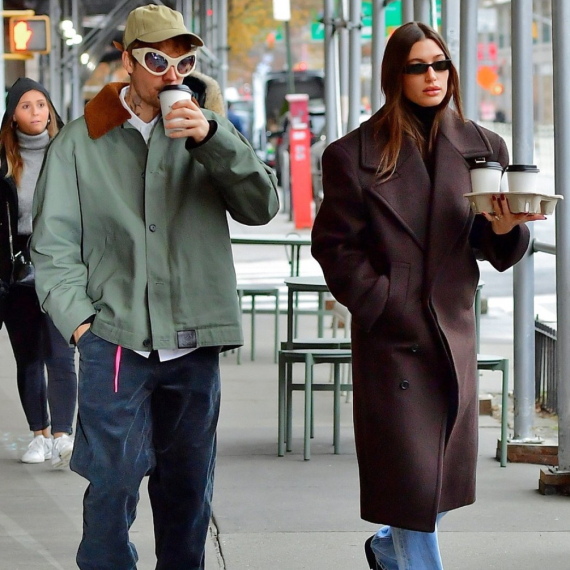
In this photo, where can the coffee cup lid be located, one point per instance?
(522, 168)
(493, 165)
(181, 87)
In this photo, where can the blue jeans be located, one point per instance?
(401, 549)
(140, 417)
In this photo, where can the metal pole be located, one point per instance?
(55, 56)
(223, 44)
(378, 43)
(76, 83)
(65, 71)
(330, 83)
(561, 60)
(290, 76)
(523, 276)
(450, 27)
(422, 11)
(344, 64)
(2, 68)
(355, 60)
(407, 11)
(468, 57)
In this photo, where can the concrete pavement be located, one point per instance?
(274, 513)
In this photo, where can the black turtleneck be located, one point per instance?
(425, 116)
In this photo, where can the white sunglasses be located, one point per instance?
(158, 63)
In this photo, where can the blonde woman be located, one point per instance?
(28, 125)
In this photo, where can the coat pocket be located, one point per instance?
(398, 291)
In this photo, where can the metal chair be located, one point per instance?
(494, 362)
(254, 290)
(309, 357)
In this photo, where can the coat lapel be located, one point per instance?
(457, 143)
(406, 194)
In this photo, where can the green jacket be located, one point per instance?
(139, 236)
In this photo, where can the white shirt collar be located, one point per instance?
(145, 129)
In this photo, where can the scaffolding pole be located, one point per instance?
(378, 44)
(355, 88)
(422, 10)
(468, 57)
(561, 60)
(330, 75)
(523, 274)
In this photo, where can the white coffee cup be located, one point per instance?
(486, 177)
(522, 177)
(168, 96)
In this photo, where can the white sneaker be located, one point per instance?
(39, 450)
(62, 448)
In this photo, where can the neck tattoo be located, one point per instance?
(134, 102)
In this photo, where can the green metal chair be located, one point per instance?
(309, 357)
(501, 364)
(254, 290)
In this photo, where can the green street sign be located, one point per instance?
(392, 15)
(317, 31)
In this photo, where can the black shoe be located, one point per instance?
(372, 563)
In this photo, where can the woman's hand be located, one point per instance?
(503, 221)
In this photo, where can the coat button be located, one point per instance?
(415, 348)
(146, 342)
(152, 227)
(404, 385)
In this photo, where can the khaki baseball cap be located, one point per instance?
(153, 23)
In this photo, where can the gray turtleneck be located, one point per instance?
(32, 149)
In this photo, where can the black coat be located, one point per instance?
(8, 190)
(8, 201)
(401, 255)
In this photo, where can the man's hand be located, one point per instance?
(80, 331)
(191, 121)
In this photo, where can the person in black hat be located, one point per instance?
(28, 125)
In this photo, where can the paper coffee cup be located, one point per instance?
(486, 177)
(522, 177)
(168, 96)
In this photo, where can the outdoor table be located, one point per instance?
(293, 241)
(297, 285)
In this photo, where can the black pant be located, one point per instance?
(37, 343)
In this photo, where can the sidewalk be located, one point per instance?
(274, 513)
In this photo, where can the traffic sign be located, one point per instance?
(30, 34)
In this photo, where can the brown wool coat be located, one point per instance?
(401, 255)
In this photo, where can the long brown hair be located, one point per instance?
(10, 147)
(396, 117)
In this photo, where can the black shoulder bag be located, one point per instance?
(23, 273)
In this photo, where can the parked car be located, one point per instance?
(270, 105)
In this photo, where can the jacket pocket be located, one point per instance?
(94, 281)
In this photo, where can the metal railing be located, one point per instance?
(545, 377)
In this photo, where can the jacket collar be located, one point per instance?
(105, 111)
(465, 137)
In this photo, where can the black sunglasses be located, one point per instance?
(421, 68)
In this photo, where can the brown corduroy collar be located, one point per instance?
(105, 111)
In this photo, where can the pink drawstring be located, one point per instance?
(117, 367)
